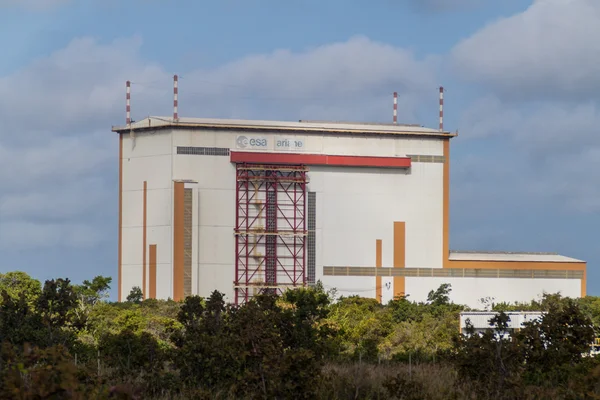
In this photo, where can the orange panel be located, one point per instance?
(152, 283)
(178, 242)
(399, 257)
(120, 235)
(378, 264)
(144, 217)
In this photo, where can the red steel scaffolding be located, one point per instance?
(270, 231)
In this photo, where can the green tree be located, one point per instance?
(307, 310)
(441, 296)
(129, 355)
(363, 325)
(17, 283)
(19, 321)
(275, 365)
(88, 295)
(423, 339)
(208, 354)
(55, 306)
(135, 295)
(557, 341)
(544, 358)
(403, 309)
(490, 361)
(91, 292)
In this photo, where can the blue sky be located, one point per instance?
(521, 79)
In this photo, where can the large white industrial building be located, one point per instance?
(241, 206)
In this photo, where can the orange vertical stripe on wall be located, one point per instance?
(152, 270)
(378, 264)
(178, 242)
(399, 257)
(145, 197)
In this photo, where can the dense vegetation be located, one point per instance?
(65, 341)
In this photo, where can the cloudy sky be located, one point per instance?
(522, 86)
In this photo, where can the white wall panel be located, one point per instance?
(159, 203)
(417, 146)
(351, 285)
(211, 172)
(387, 289)
(162, 237)
(133, 208)
(164, 280)
(356, 206)
(217, 207)
(217, 245)
(216, 277)
(388, 146)
(358, 146)
(131, 276)
(469, 291)
(151, 143)
(132, 249)
(155, 170)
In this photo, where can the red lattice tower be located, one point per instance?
(270, 229)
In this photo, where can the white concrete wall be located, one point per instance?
(469, 291)
(314, 143)
(147, 157)
(355, 206)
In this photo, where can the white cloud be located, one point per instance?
(550, 153)
(544, 58)
(78, 87)
(58, 157)
(540, 127)
(551, 49)
(349, 80)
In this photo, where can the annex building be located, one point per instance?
(242, 206)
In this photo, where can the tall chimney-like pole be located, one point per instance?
(175, 98)
(441, 108)
(128, 103)
(395, 107)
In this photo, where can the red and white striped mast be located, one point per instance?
(128, 103)
(175, 98)
(441, 108)
(395, 107)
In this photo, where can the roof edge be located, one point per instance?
(566, 259)
(166, 122)
(534, 253)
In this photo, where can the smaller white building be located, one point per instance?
(481, 320)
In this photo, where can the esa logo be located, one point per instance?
(243, 142)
